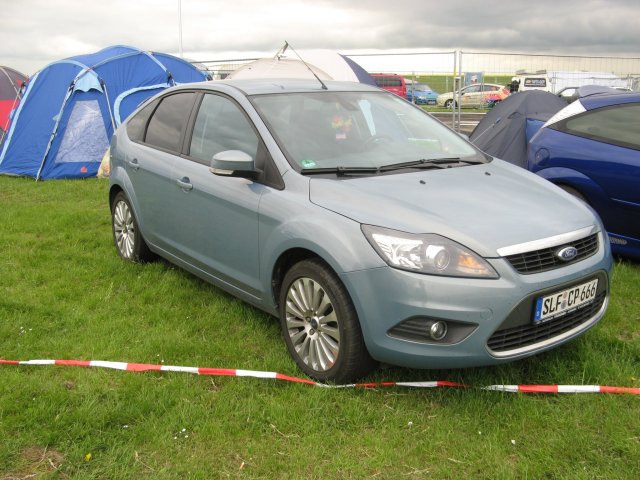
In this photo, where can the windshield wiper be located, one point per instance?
(339, 171)
(422, 163)
(455, 160)
(427, 163)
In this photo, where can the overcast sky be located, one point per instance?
(34, 33)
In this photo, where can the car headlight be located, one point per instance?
(427, 253)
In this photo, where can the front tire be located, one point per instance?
(320, 325)
(574, 192)
(448, 103)
(126, 233)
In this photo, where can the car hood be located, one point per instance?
(484, 207)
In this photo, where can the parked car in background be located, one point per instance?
(391, 82)
(568, 94)
(475, 95)
(571, 94)
(421, 94)
(591, 148)
(374, 232)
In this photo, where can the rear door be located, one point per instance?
(157, 133)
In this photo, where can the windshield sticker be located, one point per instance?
(308, 163)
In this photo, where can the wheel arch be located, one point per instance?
(583, 184)
(113, 191)
(283, 264)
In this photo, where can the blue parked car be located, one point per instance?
(591, 148)
(371, 230)
(421, 94)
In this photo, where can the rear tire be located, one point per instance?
(126, 233)
(320, 324)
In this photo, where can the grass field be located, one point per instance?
(65, 294)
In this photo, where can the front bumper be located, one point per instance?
(481, 312)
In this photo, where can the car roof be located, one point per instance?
(605, 100)
(256, 86)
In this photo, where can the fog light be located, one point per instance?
(438, 330)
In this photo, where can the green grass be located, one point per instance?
(64, 293)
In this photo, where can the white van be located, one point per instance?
(557, 80)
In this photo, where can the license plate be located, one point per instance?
(565, 301)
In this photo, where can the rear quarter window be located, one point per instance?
(137, 125)
(617, 125)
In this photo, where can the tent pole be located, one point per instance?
(106, 94)
(55, 128)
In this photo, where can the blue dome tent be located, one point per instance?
(70, 109)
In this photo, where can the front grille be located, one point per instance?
(546, 259)
(529, 334)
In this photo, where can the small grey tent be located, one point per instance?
(505, 131)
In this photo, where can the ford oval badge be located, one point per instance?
(567, 254)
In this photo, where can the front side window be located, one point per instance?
(169, 121)
(220, 125)
(356, 129)
(618, 125)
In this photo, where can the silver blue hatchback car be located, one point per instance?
(373, 232)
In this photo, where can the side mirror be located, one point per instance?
(232, 162)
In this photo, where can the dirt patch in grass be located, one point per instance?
(34, 462)
(628, 336)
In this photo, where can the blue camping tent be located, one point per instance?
(70, 109)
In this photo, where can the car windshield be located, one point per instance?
(358, 130)
(420, 87)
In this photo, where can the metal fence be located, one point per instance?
(501, 67)
(494, 67)
(451, 70)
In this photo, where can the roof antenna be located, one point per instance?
(280, 53)
(286, 45)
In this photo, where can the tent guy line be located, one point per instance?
(146, 367)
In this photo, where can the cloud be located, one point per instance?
(36, 32)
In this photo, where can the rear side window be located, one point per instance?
(169, 121)
(392, 81)
(619, 125)
(535, 82)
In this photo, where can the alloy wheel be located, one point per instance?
(312, 324)
(124, 229)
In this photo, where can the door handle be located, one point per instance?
(184, 183)
(134, 164)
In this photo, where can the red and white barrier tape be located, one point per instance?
(145, 367)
